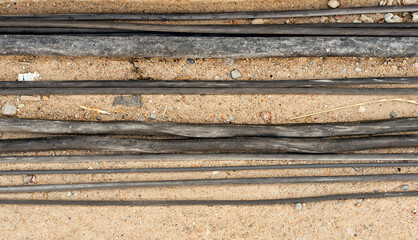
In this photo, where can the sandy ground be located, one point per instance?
(369, 219)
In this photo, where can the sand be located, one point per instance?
(369, 219)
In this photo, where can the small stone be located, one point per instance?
(217, 78)
(390, 18)
(357, 69)
(298, 206)
(356, 21)
(69, 194)
(232, 117)
(404, 187)
(361, 109)
(20, 106)
(30, 98)
(332, 20)
(415, 17)
(333, 3)
(393, 114)
(8, 109)
(257, 21)
(134, 100)
(98, 118)
(366, 19)
(265, 116)
(356, 169)
(235, 74)
(153, 116)
(190, 61)
(323, 19)
(29, 179)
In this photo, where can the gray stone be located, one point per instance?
(298, 206)
(134, 100)
(235, 74)
(153, 116)
(404, 187)
(8, 109)
(393, 114)
(190, 61)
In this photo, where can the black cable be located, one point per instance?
(205, 169)
(207, 182)
(211, 157)
(243, 29)
(218, 15)
(333, 197)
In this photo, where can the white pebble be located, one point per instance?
(415, 17)
(8, 109)
(69, 194)
(390, 18)
(357, 69)
(333, 3)
(323, 19)
(298, 206)
(257, 21)
(356, 21)
(366, 19)
(235, 74)
(217, 78)
(361, 109)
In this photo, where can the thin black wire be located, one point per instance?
(206, 169)
(207, 182)
(333, 197)
(218, 15)
(243, 29)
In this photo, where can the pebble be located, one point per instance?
(153, 116)
(357, 69)
(235, 74)
(366, 19)
(265, 116)
(361, 109)
(134, 100)
(8, 109)
(390, 18)
(415, 17)
(393, 114)
(356, 21)
(190, 61)
(69, 194)
(232, 117)
(257, 21)
(404, 187)
(298, 206)
(323, 19)
(217, 78)
(333, 3)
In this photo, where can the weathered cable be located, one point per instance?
(242, 29)
(333, 197)
(217, 145)
(207, 182)
(206, 169)
(211, 157)
(20, 125)
(218, 16)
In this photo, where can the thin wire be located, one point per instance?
(322, 198)
(208, 169)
